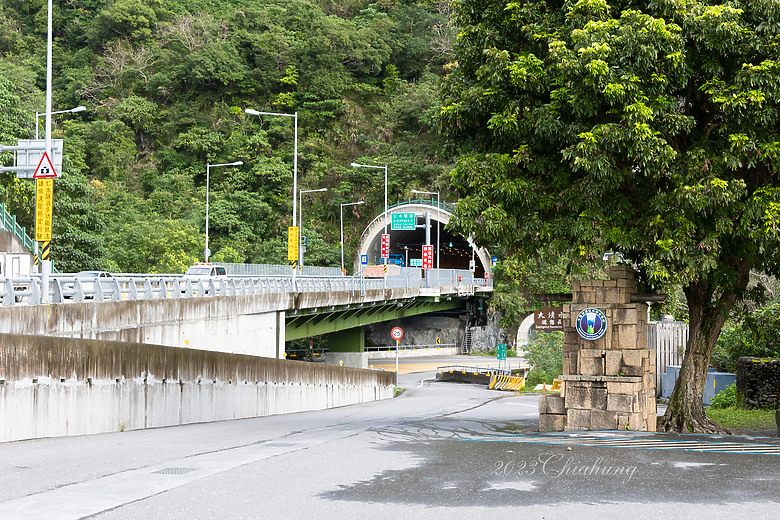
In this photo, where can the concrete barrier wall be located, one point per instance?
(54, 386)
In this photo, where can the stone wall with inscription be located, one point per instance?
(608, 381)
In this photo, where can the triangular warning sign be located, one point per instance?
(45, 169)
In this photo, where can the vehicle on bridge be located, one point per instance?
(87, 280)
(13, 267)
(204, 273)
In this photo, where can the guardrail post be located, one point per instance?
(79, 291)
(116, 291)
(148, 291)
(9, 298)
(57, 297)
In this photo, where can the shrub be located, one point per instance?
(757, 335)
(725, 398)
(545, 353)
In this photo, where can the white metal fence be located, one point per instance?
(65, 288)
(669, 339)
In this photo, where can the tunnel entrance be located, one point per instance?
(454, 251)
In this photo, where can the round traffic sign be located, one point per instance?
(397, 333)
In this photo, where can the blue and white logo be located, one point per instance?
(591, 324)
(363, 259)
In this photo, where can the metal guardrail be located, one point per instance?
(9, 223)
(66, 288)
(277, 270)
(474, 370)
(503, 369)
(391, 348)
(428, 202)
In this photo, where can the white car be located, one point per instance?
(202, 272)
(87, 280)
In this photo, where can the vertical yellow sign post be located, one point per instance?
(43, 211)
(44, 200)
(292, 244)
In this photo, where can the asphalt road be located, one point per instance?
(440, 450)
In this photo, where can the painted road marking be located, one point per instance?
(642, 444)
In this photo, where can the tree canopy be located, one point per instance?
(648, 128)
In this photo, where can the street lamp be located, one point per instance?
(438, 219)
(356, 165)
(341, 218)
(300, 225)
(48, 145)
(207, 251)
(39, 114)
(253, 112)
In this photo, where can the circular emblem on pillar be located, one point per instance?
(591, 324)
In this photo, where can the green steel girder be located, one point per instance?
(296, 328)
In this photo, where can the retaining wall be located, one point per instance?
(758, 382)
(54, 386)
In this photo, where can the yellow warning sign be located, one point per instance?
(44, 200)
(292, 243)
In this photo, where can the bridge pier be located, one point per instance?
(349, 347)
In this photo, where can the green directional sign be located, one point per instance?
(403, 221)
(501, 355)
(415, 262)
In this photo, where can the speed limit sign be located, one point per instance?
(397, 333)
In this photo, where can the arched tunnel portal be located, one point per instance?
(455, 251)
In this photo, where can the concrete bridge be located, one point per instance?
(158, 352)
(241, 315)
(142, 351)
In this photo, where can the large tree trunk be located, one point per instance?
(707, 314)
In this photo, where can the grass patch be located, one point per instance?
(733, 417)
(398, 391)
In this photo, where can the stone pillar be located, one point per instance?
(608, 383)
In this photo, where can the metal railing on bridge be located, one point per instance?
(65, 288)
(393, 348)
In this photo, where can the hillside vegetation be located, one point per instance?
(166, 82)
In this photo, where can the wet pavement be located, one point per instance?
(440, 450)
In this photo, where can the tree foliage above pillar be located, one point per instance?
(650, 128)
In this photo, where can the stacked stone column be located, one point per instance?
(608, 383)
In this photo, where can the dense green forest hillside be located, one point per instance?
(166, 82)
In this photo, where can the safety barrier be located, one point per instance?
(71, 288)
(506, 382)
(9, 223)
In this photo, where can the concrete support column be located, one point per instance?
(280, 330)
(348, 340)
(348, 348)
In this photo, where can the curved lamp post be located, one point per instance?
(71, 110)
(300, 224)
(253, 112)
(341, 219)
(207, 251)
